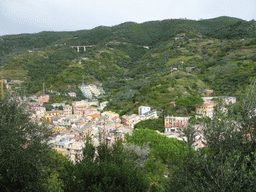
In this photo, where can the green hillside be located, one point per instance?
(136, 62)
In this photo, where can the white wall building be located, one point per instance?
(72, 94)
(143, 109)
(86, 91)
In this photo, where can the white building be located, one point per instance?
(94, 90)
(41, 111)
(86, 91)
(78, 103)
(72, 94)
(143, 109)
(149, 115)
(103, 105)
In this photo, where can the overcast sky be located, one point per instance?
(32, 16)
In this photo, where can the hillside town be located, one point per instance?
(72, 123)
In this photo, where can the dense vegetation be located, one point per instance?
(228, 161)
(136, 62)
(152, 63)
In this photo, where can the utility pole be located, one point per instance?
(2, 88)
(43, 92)
(43, 88)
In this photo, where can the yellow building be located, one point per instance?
(130, 120)
(205, 109)
(172, 123)
(47, 118)
(58, 129)
(108, 115)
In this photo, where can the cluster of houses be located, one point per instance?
(76, 121)
(207, 108)
(72, 123)
(174, 125)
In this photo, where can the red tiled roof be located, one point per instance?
(81, 106)
(76, 138)
(91, 107)
(168, 126)
(205, 105)
(95, 116)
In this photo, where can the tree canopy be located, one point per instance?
(22, 149)
(228, 162)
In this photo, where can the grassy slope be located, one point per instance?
(131, 74)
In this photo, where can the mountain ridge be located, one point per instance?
(134, 61)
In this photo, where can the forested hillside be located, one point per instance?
(151, 63)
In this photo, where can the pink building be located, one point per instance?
(33, 107)
(82, 110)
(208, 92)
(43, 99)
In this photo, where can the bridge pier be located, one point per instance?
(77, 47)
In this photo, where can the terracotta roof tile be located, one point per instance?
(95, 116)
(81, 106)
(205, 105)
(168, 125)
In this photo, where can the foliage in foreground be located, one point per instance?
(22, 149)
(229, 161)
(109, 170)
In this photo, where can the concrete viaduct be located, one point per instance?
(82, 46)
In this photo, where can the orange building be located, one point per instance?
(43, 99)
